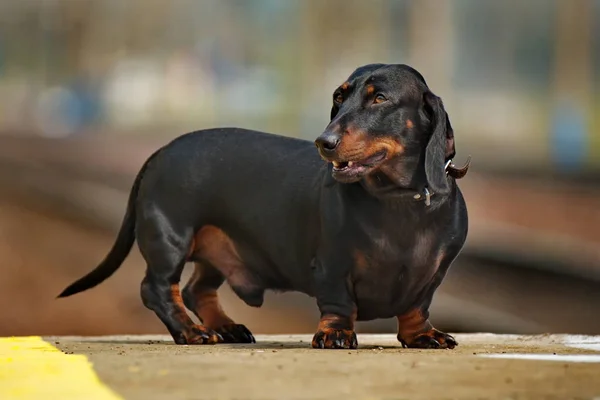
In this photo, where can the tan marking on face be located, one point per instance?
(355, 146)
(352, 145)
(409, 124)
(345, 85)
(370, 90)
(391, 147)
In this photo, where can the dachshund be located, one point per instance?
(368, 223)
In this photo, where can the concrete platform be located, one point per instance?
(483, 366)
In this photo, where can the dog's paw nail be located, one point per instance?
(431, 343)
(228, 338)
(234, 333)
(249, 338)
(334, 339)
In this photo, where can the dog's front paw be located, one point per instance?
(198, 334)
(235, 333)
(335, 339)
(432, 339)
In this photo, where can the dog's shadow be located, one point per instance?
(259, 345)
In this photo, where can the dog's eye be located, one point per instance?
(338, 98)
(379, 99)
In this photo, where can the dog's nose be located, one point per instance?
(328, 141)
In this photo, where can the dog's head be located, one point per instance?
(386, 125)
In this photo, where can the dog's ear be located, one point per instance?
(450, 147)
(440, 147)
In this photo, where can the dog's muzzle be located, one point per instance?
(328, 142)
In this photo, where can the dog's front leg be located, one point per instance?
(338, 309)
(414, 328)
(415, 331)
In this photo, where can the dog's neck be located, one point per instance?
(403, 180)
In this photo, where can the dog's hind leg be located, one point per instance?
(165, 251)
(200, 296)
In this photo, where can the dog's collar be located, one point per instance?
(426, 193)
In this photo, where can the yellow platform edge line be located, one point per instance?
(31, 368)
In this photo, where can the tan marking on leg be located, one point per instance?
(215, 246)
(412, 324)
(207, 306)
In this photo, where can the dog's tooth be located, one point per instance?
(349, 163)
(336, 164)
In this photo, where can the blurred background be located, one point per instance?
(89, 88)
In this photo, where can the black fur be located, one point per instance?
(358, 237)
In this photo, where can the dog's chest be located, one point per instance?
(390, 272)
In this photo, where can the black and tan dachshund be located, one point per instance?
(370, 232)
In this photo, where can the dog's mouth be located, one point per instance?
(353, 170)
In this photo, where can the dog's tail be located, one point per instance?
(121, 247)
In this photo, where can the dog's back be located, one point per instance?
(252, 185)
